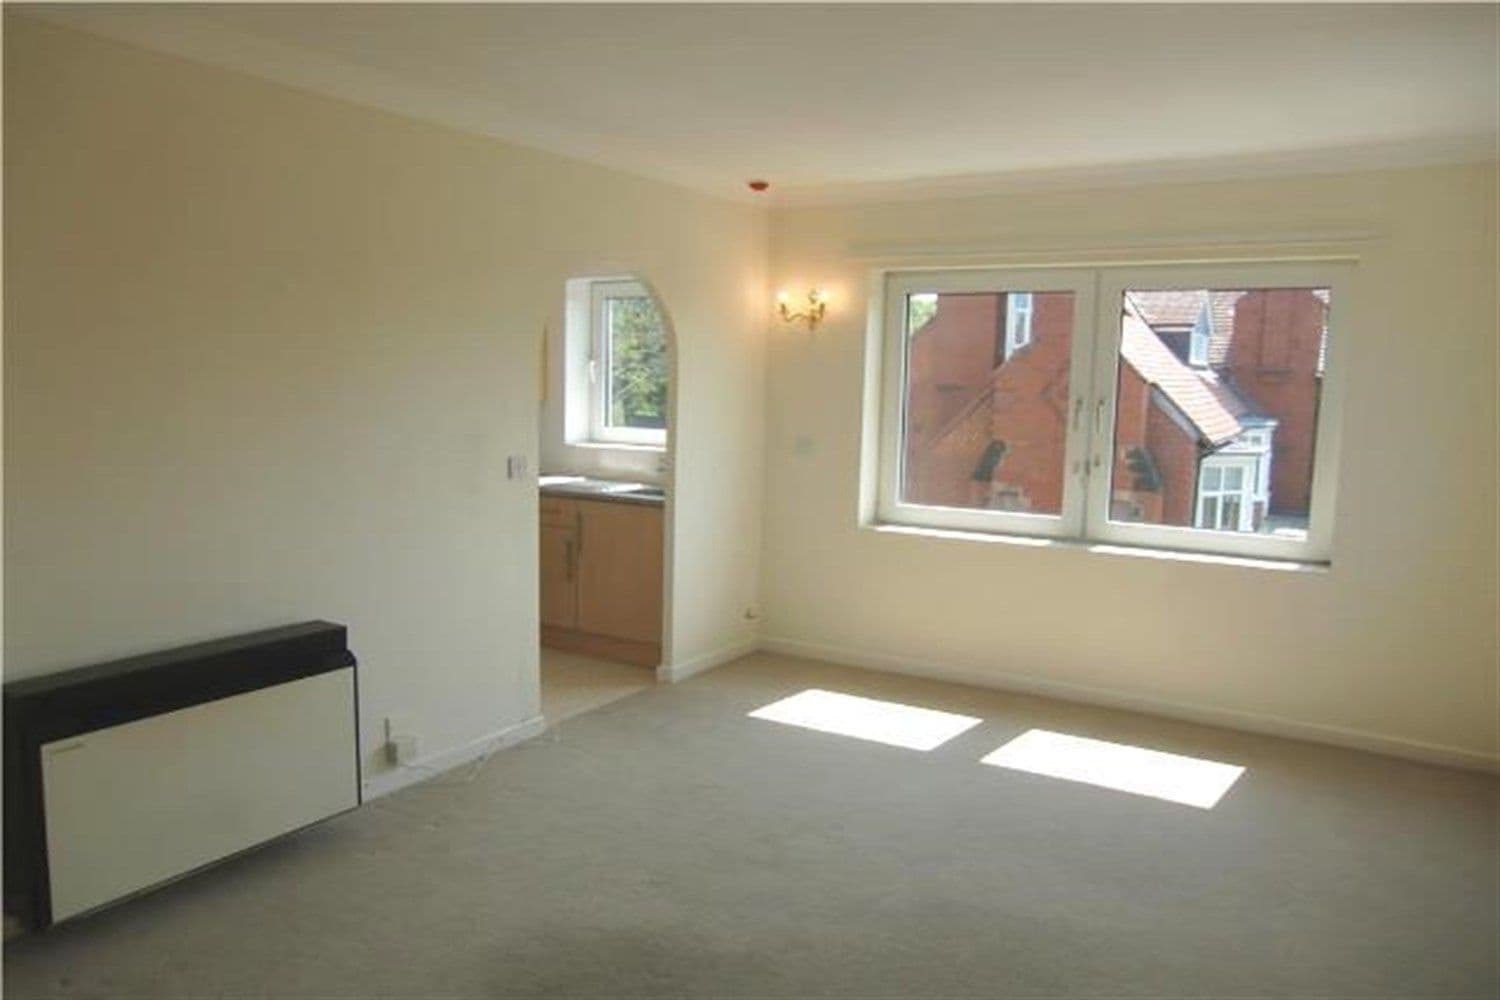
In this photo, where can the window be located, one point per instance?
(1170, 407)
(1255, 441)
(1226, 500)
(1199, 338)
(1017, 321)
(982, 429)
(625, 377)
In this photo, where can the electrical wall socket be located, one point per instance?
(400, 744)
(402, 750)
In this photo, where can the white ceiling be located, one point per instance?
(835, 102)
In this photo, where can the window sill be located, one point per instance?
(1099, 548)
(618, 446)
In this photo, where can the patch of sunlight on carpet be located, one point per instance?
(885, 722)
(1190, 781)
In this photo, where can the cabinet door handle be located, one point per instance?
(578, 517)
(569, 560)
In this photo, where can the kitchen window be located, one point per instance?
(1145, 409)
(627, 365)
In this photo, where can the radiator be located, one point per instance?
(126, 775)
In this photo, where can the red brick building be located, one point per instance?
(1215, 413)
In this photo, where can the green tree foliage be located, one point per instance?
(638, 364)
(921, 307)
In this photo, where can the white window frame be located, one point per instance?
(600, 429)
(1257, 440)
(1198, 338)
(1095, 359)
(1113, 283)
(1246, 465)
(1018, 314)
(891, 507)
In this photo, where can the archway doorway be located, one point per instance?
(606, 494)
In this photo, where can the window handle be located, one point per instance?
(1077, 412)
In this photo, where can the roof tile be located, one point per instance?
(1210, 404)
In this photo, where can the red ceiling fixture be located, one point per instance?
(759, 186)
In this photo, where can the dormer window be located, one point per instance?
(1017, 321)
(1198, 339)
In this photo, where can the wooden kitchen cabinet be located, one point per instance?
(619, 570)
(559, 587)
(601, 578)
(558, 556)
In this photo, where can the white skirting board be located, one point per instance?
(1225, 718)
(386, 782)
(671, 673)
(390, 781)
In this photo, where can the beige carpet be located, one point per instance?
(573, 684)
(667, 845)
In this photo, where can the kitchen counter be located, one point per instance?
(586, 488)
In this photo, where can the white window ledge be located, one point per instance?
(1099, 548)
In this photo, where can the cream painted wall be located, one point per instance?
(266, 353)
(1395, 647)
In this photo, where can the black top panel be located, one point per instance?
(119, 691)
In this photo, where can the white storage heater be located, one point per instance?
(125, 775)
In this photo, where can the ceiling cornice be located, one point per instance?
(1352, 159)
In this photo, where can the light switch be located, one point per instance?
(515, 467)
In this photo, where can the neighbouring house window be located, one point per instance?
(1226, 495)
(1145, 410)
(1018, 307)
(1199, 338)
(1256, 442)
(618, 364)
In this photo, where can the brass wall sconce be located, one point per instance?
(817, 306)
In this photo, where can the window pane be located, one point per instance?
(1255, 398)
(985, 417)
(636, 383)
(1231, 515)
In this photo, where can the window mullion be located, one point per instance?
(1078, 441)
(1094, 390)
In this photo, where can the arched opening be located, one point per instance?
(606, 483)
